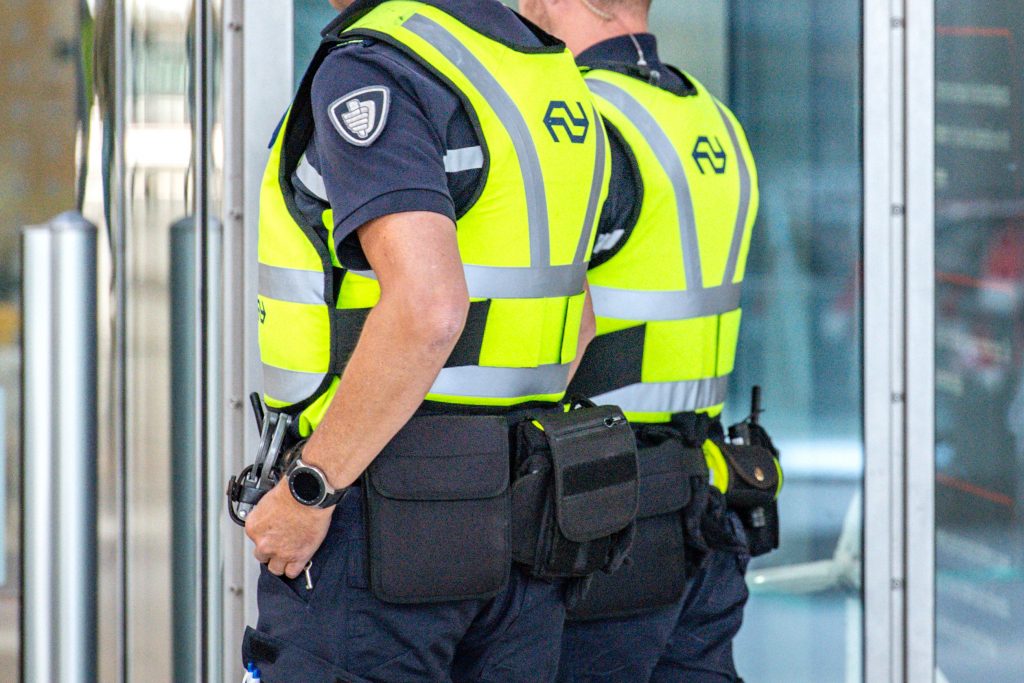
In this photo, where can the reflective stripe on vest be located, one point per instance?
(455, 161)
(291, 285)
(697, 300)
(483, 382)
(668, 397)
(491, 282)
(290, 386)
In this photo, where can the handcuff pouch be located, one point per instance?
(575, 494)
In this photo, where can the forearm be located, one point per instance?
(386, 380)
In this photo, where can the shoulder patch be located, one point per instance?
(361, 115)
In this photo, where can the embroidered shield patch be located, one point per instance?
(360, 116)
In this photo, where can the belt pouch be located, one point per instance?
(655, 573)
(754, 482)
(576, 494)
(438, 511)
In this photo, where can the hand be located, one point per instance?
(286, 533)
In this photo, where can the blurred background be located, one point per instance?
(150, 118)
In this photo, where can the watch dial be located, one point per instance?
(306, 486)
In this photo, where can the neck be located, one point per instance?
(587, 29)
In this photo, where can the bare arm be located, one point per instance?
(405, 343)
(588, 332)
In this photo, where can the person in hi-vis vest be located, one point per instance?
(427, 217)
(666, 273)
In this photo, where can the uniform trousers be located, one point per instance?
(339, 632)
(690, 642)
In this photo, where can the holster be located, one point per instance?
(673, 495)
(754, 479)
(575, 492)
(438, 511)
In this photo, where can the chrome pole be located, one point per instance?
(59, 454)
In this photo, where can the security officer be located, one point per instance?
(426, 220)
(665, 277)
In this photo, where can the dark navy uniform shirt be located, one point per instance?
(427, 157)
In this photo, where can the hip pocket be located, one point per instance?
(438, 511)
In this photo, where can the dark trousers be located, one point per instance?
(686, 643)
(340, 632)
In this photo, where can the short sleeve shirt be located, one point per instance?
(426, 153)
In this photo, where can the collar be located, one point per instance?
(620, 54)
(479, 14)
(622, 49)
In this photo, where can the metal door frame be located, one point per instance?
(258, 73)
(899, 368)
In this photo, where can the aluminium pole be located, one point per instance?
(59, 455)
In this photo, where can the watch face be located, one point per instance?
(306, 487)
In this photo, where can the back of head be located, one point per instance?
(583, 23)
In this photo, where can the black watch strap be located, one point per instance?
(333, 499)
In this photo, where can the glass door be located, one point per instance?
(979, 345)
(793, 77)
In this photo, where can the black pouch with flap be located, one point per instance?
(438, 511)
(755, 479)
(672, 479)
(575, 495)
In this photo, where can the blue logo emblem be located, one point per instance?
(710, 152)
(560, 115)
(263, 311)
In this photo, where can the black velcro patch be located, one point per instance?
(600, 474)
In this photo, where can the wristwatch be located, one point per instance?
(309, 486)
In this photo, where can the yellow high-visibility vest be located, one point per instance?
(668, 302)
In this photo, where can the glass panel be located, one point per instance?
(311, 16)
(979, 340)
(794, 81)
(45, 96)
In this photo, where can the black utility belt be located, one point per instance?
(452, 501)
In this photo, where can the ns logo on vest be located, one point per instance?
(360, 116)
(713, 153)
(560, 115)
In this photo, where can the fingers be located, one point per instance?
(295, 569)
(276, 566)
